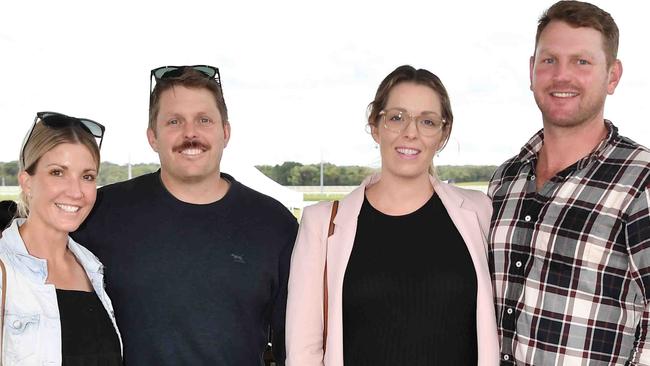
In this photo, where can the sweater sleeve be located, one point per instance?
(280, 303)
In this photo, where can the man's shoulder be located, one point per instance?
(631, 161)
(260, 203)
(507, 168)
(142, 182)
(626, 148)
(123, 197)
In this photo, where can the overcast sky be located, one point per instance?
(297, 76)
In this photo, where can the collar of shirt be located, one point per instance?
(36, 268)
(530, 150)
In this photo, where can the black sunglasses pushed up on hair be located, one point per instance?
(169, 72)
(58, 120)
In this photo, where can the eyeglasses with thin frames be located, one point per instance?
(397, 120)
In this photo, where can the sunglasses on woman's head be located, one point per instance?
(169, 72)
(58, 120)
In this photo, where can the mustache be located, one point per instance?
(563, 86)
(191, 144)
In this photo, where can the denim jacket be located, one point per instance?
(32, 331)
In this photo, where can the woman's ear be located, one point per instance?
(374, 132)
(25, 181)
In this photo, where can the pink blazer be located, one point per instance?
(469, 210)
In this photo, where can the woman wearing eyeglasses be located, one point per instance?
(403, 279)
(57, 312)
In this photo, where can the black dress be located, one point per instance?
(88, 337)
(409, 291)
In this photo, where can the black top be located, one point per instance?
(193, 284)
(88, 337)
(409, 292)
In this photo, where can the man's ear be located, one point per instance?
(226, 133)
(153, 141)
(531, 67)
(615, 74)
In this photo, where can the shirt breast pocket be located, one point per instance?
(21, 337)
(600, 251)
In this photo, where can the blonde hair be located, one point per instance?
(44, 139)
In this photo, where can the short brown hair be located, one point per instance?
(189, 78)
(582, 14)
(44, 139)
(407, 73)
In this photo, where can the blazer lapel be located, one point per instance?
(340, 244)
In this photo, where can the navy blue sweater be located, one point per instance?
(193, 284)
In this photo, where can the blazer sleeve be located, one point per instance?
(304, 327)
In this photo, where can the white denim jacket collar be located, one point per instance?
(34, 270)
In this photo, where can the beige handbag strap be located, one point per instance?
(330, 231)
(2, 307)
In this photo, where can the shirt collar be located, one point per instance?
(33, 268)
(530, 150)
(36, 268)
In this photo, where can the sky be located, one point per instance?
(297, 75)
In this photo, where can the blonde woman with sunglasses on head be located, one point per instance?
(57, 312)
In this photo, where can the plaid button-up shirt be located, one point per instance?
(571, 263)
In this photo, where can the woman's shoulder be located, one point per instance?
(467, 194)
(87, 259)
(316, 211)
(351, 201)
(4, 253)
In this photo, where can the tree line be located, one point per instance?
(292, 173)
(289, 173)
(108, 172)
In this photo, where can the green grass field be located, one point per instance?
(322, 196)
(472, 184)
(8, 197)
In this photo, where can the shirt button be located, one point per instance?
(509, 311)
(518, 264)
(527, 218)
(506, 357)
(17, 324)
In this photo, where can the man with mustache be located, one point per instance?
(196, 263)
(570, 237)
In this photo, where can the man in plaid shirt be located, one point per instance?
(570, 237)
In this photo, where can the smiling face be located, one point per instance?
(570, 77)
(190, 135)
(408, 154)
(62, 189)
